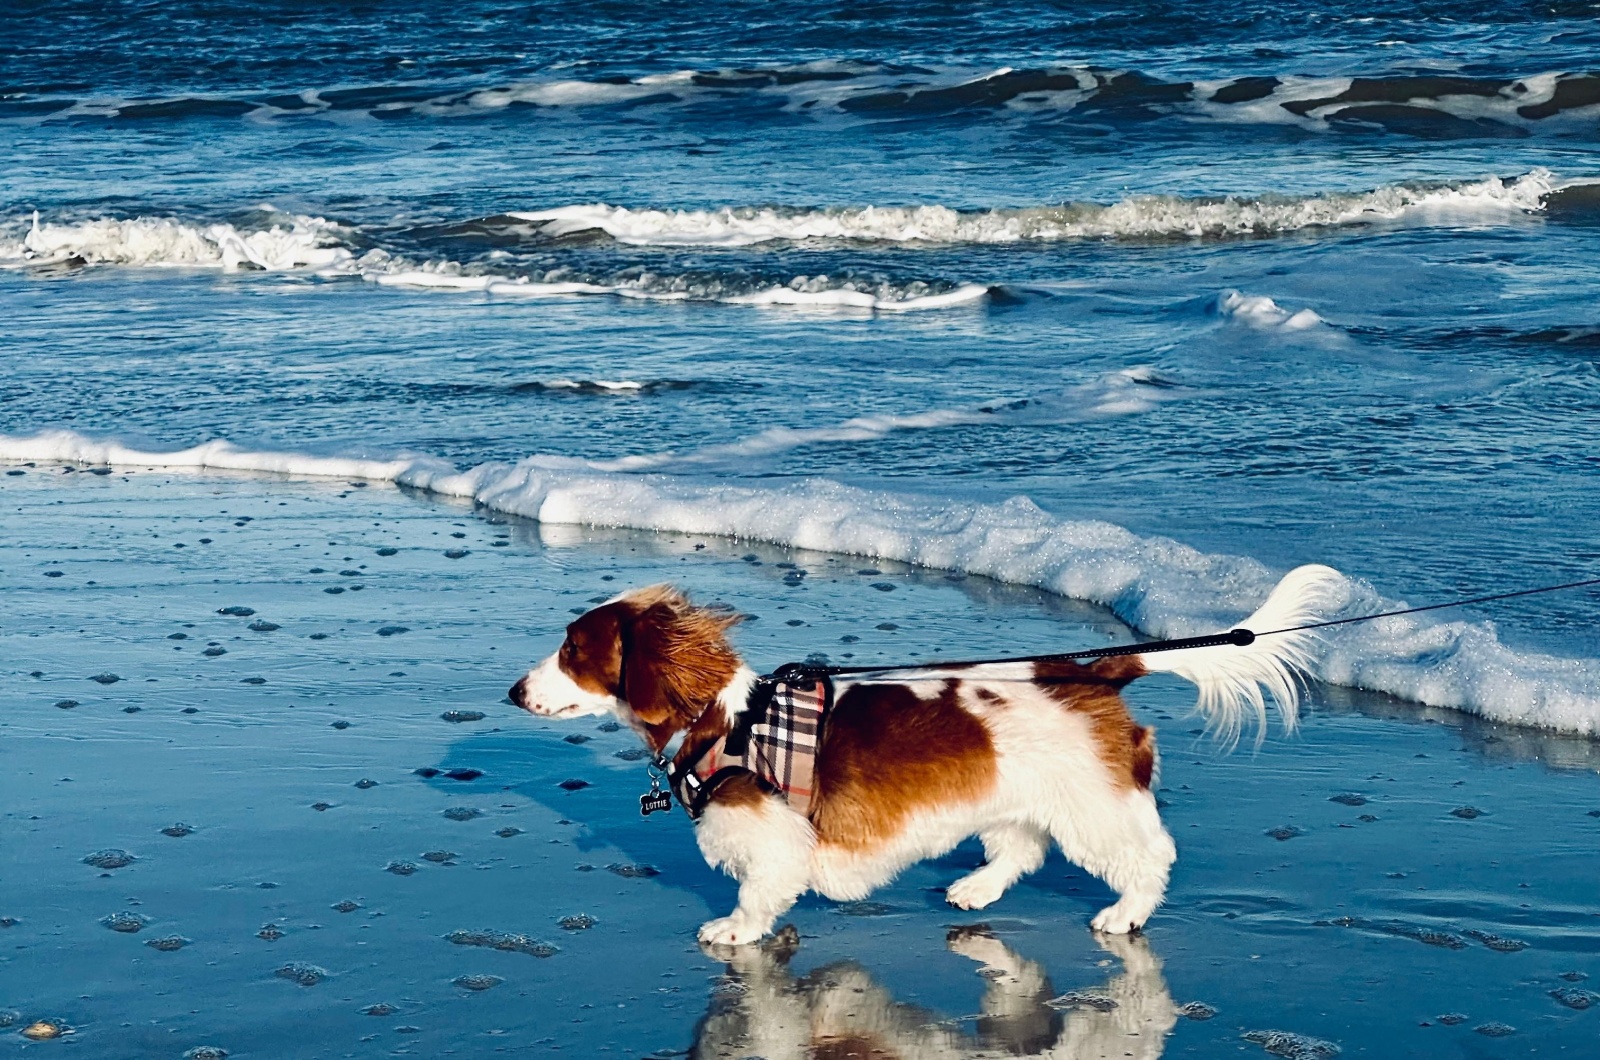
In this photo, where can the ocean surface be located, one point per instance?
(1139, 304)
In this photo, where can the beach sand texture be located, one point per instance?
(308, 880)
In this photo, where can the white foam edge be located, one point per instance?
(1154, 584)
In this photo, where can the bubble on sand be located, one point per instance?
(505, 941)
(1451, 1019)
(177, 636)
(477, 982)
(1497, 943)
(1283, 832)
(400, 868)
(633, 872)
(177, 831)
(388, 551)
(462, 813)
(426, 772)
(1575, 997)
(253, 681)
(236, 612)
(1291, 1045)
(615, 726)
(168, 943)
(334, 590)
(261, 625)
(270, 932)
(126, 922)
(464, 773)
(44, 1030)
(341, 724)
(456, 553)
(1076, 999)
(346, 906)
(302, 973)
(1495, 1029)
(441, 857)
(5, 922)
(66, 704)
(215, 652)
(1468, 813)
(631, 754)
(507, 832)
(111, 858)
(392, 631)
(577, 738)
(1196, 1010)
(206, 1052)
(364, 783)
(462, 715)
(321, 807)
(1349, 798)
(883, 587)
(578, 922)
(131, 710)
(107, 678)
(864, 909)
(1571, 977)
(573, 784)
(380, 1009)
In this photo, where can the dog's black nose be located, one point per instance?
(516, 695)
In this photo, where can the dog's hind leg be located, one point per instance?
(1010, 851)
(1125, 845)
(766, 847)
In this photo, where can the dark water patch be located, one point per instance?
(1349, 798)
(178, 830)
(1495, 1029)
(107, 678)
(66, 704)
(1572, 91)
(392, 631)
(508, 942)
(261, 625)
(1428, 936)
(187, 108)
(865, 908)
(400, 868)
(345, 906)
(168, 943)
(1285, 832)
(461, 813)
(507, 832)
(1468, 813)
(459, 716)
(440, 857)
(573, 784)
(631, 871)
(1452, 1019)
(236, 612)
(270, 933)
(380, 1009)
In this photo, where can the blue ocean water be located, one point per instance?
(1290, 283)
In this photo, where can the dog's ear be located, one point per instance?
(644, 665)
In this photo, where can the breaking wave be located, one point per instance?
(1156, 585)
(1138, 218)
(321, 248)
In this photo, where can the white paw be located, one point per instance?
(1115, 921)
(730, 931)
(974, 891)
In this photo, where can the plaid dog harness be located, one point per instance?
(775, 739)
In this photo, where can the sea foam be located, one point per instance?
(1137, 217)
(1156, 585)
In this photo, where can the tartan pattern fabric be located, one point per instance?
(781, 750)
(783, 744)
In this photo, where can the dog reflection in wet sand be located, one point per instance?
(839, 1013)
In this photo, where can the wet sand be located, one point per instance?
(308, 880)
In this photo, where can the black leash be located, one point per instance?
(1237, 637)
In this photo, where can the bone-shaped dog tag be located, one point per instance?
(652, 801)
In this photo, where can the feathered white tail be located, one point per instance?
(1231, 678)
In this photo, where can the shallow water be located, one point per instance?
(1362, 933)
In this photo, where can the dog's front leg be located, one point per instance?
(767, 847)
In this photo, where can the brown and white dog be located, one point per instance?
(1018, 754)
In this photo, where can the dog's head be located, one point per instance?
(650, 657)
